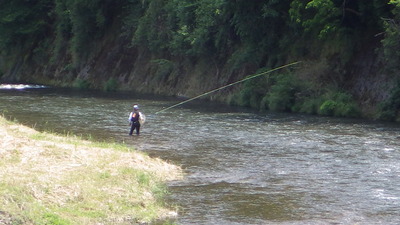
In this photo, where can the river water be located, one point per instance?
(242, 167)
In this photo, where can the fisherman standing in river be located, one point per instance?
(135, 120)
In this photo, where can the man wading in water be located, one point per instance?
(134, 119)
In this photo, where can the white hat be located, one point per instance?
(136, 107)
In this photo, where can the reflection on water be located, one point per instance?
(242, 167)
(20, 86)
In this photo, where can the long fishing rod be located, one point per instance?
(228, 85)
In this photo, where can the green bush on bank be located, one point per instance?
(251, 94)
(309, 105)
(111, 85)
(275, 93)
(390, 43)
(81, 84)
(389, 109)
(281, 97)
(287, 93)
(339, 104)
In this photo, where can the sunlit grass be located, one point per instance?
(51, 179)
(75, 139)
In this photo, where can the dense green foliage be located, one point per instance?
(24, 22)
(391, 41)
(79, 23)
(287, 93)
(390, 108)
(241, 35)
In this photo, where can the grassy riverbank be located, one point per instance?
(51, 179)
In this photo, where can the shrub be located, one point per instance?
(328, 108)
(390, 42)
(287, 93)
(389, 108)
(81, 84)
(309, 105)
(252, 93)
(111, 85)
(339, 104)
(277, 93)
(281, 96)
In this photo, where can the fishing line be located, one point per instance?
(228, 85)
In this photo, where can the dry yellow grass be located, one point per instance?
(50, 179)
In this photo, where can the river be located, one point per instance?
(242, 167)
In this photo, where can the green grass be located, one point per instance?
(51, 179)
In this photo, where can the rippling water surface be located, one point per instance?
(242, 167)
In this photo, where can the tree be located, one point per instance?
(391, 41)
(23, 22)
